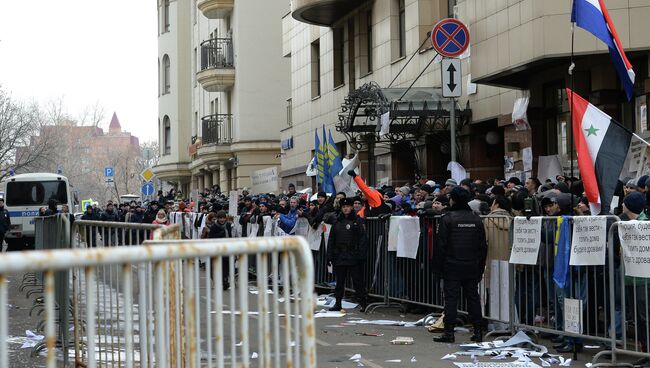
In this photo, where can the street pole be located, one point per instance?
(452, 127)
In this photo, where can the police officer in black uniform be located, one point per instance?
(5, 222)
(346, 251)
(462, 249)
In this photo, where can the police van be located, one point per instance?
(24, 195)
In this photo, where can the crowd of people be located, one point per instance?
(462, 243)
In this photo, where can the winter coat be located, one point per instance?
(497, 230)
(112, 216)
(288, 221)
(348, 241)
(5, 221)
(462, 244)
(218, 231)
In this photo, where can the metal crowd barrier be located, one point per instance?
(211, 323)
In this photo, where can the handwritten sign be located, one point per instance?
(265, 180)
(635, 243)
(573, 315)
(527, 236)
(588, 244)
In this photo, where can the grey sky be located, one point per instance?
(85, 51)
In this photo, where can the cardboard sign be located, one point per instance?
(573, 315)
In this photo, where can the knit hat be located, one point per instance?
(405, 190)
(631, 184)
(451, 182)
(321, 194)
(460, 195)
(635, 202)
(643, 181)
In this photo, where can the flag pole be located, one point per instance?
(573, 148)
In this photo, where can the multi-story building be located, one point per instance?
(352, 61)
(222, 91)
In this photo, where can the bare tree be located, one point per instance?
(92, 115)
(21, 147)
(150, 154)
(56, 112)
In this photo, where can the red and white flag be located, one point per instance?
(602, 145)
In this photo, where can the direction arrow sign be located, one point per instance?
(147, 189)
(450, 37)
(451, 78)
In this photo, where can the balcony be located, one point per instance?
(217, 129)
(217, 65)
(323, 12)
(216, 9)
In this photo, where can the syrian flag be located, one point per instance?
(602, 145)
(592, 16)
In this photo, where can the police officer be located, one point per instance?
(5, 221)
(346, 251)
(463, 250)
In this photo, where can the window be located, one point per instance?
(450, 5)
(338, 47)
(315, 69)
(165, 77)
(402, 28)
(35, 193)
(289, 113)
(366, 44)
(167, 132)
(194, 61)
(165, 16)
(352, 55)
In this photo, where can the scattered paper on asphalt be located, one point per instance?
(592, 347)
(449, 357)
(328, 314)
(413, 360)
(402, 340)
(384, 322)
(497, 365)
(565, 363)
(393, 361)
(329, 301)
(254, 355)
(351, 344)
(31, 339)
(356, 357)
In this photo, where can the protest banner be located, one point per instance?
(527, 236)
(588, 244)
(635, 244)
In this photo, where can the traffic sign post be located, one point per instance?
(147, 174)
(450, 37)
(109, 174)
(451, 78)
(147, 189)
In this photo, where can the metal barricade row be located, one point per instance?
(285, 325)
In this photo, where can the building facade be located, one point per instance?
(222, 91)
(352, 61)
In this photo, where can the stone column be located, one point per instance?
(223, 178)
(201, 182)
(215, 178)
(194, 183)
(208, 179)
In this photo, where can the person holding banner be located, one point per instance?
(463, 249)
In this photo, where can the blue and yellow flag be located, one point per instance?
(333, 157)
(320, 160)
(328, 180)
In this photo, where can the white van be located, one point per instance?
(24, 194)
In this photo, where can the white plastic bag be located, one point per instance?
(519, 117)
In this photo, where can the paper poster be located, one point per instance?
(233, 200)
(527, 157)
(573, 315)
(268, 226)
(635, 243)
(326, 234)
(385, 124)
(588, 243)
(408, 239)
(301, 228)
(499, 291)
(314, 237)
(458, 172)
(252, 230)
(393, 231)
(497, 365)
(548, 168)
(527, 236)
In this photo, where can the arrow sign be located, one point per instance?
(451, 78)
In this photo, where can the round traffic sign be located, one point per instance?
(147, 189)
(450, 37)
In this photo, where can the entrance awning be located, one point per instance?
(413, 113)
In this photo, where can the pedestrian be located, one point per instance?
(346, 252)
(5, 221)
(463, 250)
(51, 208)
(222, 229)
(91, 231)
(161, 218)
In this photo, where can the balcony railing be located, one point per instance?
(217, 53)
(217, 129)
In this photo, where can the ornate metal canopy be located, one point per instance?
(412, 113)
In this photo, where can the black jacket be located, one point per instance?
(218, 231)
(462, 244)
(5, 221)
(111, 216)
(348, 241)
